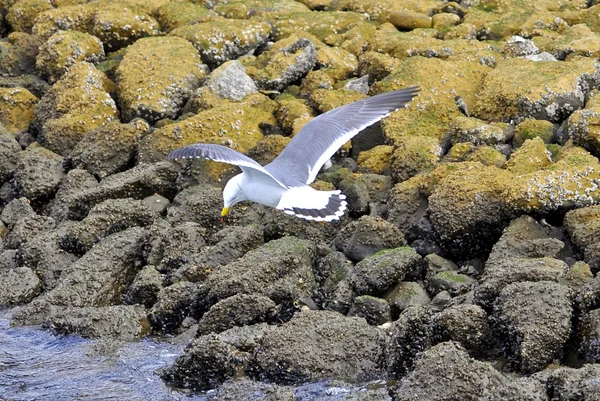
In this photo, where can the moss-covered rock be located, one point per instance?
(292, 113)
(578, 40)
(375, 160)
(22, 13)
(74, 106)
(414, 154)
(261, 9)
(320, 24)
(17, 107)
(530, 129)
(584, 127)
(176, 14)
(65, 48)
(379, 10)
(18, 54)
(486, 155)
(477, 132)
(531, 156)
(376, 65)
(221, 39)
(156, 77)
(518, 89)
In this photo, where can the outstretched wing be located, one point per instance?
(320, 138)
(221, 154)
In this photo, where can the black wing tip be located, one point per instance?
(334, 210)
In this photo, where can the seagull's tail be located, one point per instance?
(307, 203)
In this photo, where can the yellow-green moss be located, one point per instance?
(17, 107)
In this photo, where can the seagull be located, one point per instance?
(283, 183)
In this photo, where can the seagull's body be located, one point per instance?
(283, 183)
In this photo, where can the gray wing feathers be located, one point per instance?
(320, 138)
(221, 154)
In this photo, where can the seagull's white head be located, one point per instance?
(232, 194)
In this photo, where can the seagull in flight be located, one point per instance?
(283, 183)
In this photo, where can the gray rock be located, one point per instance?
(34, 84)
(518, 46)
(237, 310)
(157, 203)
(139, 182)
(567, 384)
(477, 132)
(446, 372)
(436, 264)
(364, 189)
(467, 325)
(28, 228)
(44, 255)
(589, 330)
(280, 269)
(122, 322)
(376, 274)
(360, 85)
(230, 81)
(245, 389)
(172, 306)
(75, 182)
(246, 338)
(441, 301)
(304, 60)
(583, 227)
(9, 259)
(145, 287)
(407, 337)
(38, 173)
(543, 56)
(205, 363)
(406, 294)
(16, 210)
(9, 156)
(533, 320)
(107, 217)
(587, 297)
(318, 345)
(18, 286)
(99, 278)
(367, 236)
(375, 311)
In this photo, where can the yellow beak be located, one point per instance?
(224, 211)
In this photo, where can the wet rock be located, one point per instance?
(534, 319)
(19, 52)
(108, 149)
(467, 325)
(99, 278)
(280, 269)
(287, 61)
(17, 106)
(172, 306)
(583, 227)
(530, 129)
(16, 210)
(231, 244)
(230, 81)
(38, 174)
(220, 39)
(237, 310)
(123, 322)
(468, 210)
(589, 330)
(335, 291)
(106, 218)
(139, 182)
(28, 228)
(366, 236)
(407, 337)
(165, 89)
(200, 204)
(145, 287)
(205, 364)
(454, 282)
(245, 389)
(447, 372)
(320, 344)
(406, 294)
(566, 383)
(375, 310)
(363, 189)
(18, 286)
(377, 273)
(74, 106)
(540, 95)
(65, 48)
(9, 156)
(172, 247)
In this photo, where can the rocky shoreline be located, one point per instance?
(466, 267)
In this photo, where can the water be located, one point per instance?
(36, 365)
